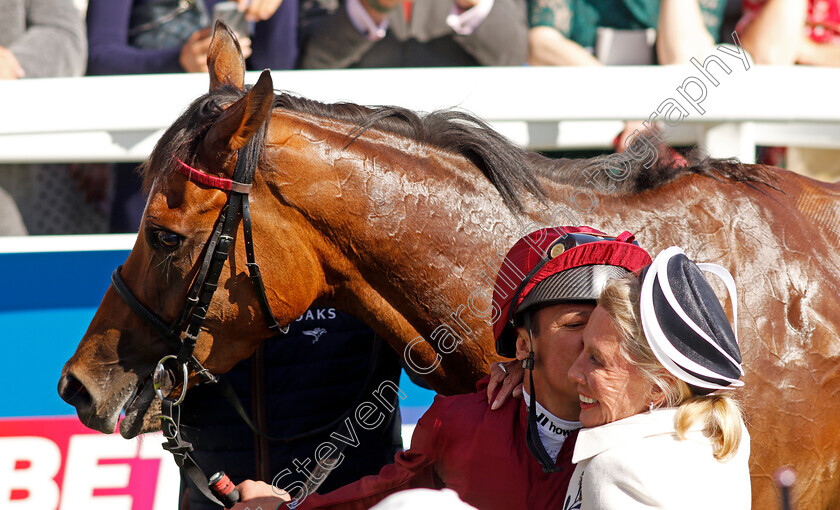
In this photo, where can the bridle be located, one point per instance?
(183, 333)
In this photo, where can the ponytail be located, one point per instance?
(721, 416)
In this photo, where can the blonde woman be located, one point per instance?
(660, 431)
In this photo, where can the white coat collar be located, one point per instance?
(596, 440)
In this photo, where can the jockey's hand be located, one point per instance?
(258, 10)
(254, 495)
(508, 382)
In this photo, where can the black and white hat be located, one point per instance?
(685, 324)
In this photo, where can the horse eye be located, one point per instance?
(167, 240)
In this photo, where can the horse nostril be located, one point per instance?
(72, 391)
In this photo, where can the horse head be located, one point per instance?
(111, 369)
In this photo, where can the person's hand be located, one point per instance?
(194, 52)
(259, 10)
(507, 376)
(245, 44)
(259, 494)
(10, 68)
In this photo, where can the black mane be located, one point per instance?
(665, 168)
(511, 169)
(502, 162)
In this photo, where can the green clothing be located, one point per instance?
(578, 20)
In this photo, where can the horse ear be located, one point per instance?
(241, 120)
(224, 59)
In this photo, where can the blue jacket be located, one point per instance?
(274, 42)
(314, 375)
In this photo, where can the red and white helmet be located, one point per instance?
(556, 265)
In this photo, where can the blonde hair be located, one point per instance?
(720, 414)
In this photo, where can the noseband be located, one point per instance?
(182, 334)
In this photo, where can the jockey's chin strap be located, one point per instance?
(532, 434)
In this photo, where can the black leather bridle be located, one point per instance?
(182, 334)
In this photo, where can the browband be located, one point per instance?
(221, 183)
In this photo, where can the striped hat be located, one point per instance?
(685, 324)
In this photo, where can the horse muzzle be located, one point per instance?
(100, 410)
(72, 390)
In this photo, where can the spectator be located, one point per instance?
(785, 32)
(11, 224)
(599, 32)
(120, 42)
(38, 39)
(394, 33)
(564, 32)
(41, 39)
(149, 37)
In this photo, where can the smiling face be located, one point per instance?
(610, 387)
(557, 331)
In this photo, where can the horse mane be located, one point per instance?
(511, 169)
(502, 162)
(641, 176)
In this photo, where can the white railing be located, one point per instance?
(119, 118)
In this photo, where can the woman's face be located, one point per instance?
(609, 386)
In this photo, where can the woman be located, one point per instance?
(657, 350)
(171, 36)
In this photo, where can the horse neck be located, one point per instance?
(403, 226)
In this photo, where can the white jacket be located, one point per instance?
(639, 462)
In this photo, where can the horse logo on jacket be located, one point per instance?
(315, 333)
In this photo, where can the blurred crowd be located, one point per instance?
(47, 38)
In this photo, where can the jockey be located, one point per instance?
(517, 456)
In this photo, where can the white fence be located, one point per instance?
(119, 118)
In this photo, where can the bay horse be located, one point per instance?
(397, 217)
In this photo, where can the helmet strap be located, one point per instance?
(532, 434)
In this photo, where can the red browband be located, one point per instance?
(221, 183)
